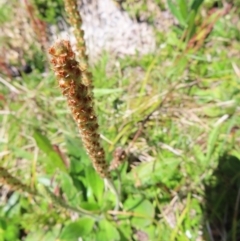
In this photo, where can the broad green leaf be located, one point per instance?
(78, 229)
(151, 232)
(76, 166)
(90, 206)
(125, 231)
(11, 233)
(144, 214)
(77, 154)
(154, 171)
(69, 189)
(132, 202)
(53, 160)
(107, 231)
(74, 147)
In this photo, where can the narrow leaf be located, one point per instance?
(212, 141)
(54, 160)
(196, 4)
(176, 13)
(183, 8)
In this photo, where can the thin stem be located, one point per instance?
(75, 21)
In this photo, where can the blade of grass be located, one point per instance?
(181, 218)
(177, 14)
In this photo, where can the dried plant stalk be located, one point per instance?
(76, 22)
(13, 183)
(70, 80)
(119, 158)
(38, 26)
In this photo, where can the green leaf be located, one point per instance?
(177, 14)
(1, 234)
(196, 4)
(183, 8)
(77, 154)
(155, 171)
(90, 206)
(212, 141)
(102, 92)
(6, 13)
(43, 235)
(19, 152)
(191, 25)
(11, 233)
(95, 182)
(151, 232)
(145, 213)
(198, 153)
(13, 201)
(74, 147)
(73, 195)
(78, 229)
(76, 166)
(132, 202)
(125, 231)
(191, 20)
(107, 231)
(54, 161)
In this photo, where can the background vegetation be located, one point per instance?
(176, 112)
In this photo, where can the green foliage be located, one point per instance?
(186, 14)
(49, 10)
(5, 13)
(54, 161)
(74, 230)
(182, 172)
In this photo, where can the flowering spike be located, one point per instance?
(14, 183)
(76, 22)
(70, 79)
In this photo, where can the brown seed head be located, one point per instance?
(71, 79)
